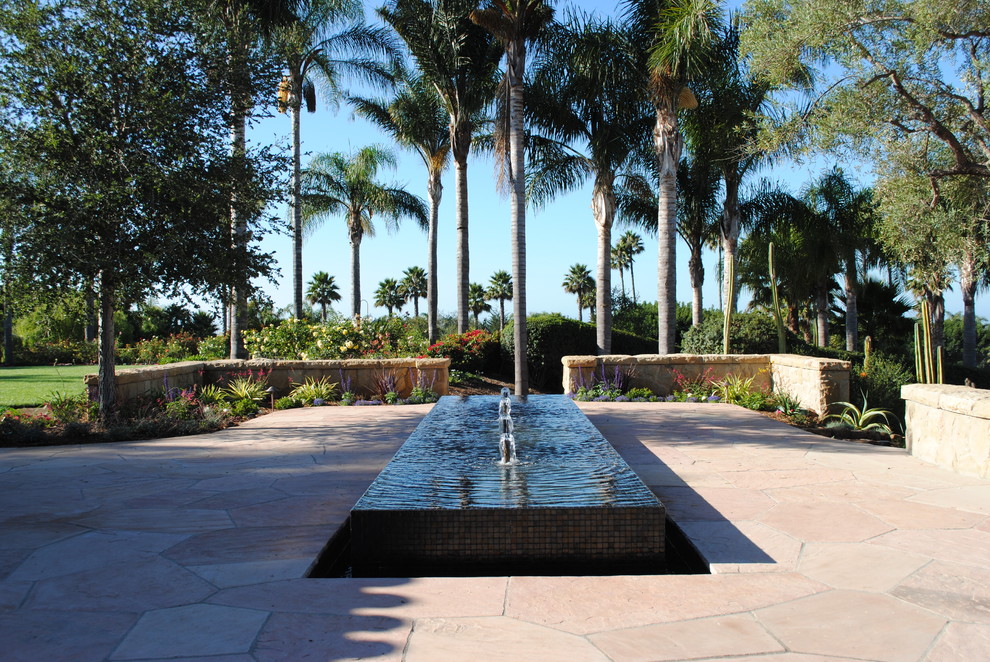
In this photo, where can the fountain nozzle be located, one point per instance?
(507, 443)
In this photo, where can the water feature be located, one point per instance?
(536, 489)
(507, 441)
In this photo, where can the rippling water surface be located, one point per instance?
(451, 461)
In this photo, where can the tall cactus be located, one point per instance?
(777, 316)
(928, 360)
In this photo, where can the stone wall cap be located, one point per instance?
(950, 397)
(810, 362)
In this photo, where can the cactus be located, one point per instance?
(867, 353)
(928, 360)
(777, 316)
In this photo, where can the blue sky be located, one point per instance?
(558, 236)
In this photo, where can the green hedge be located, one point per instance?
(553, 336)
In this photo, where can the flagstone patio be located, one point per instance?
(197, 548)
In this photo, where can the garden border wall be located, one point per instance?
(137, 381)
(949, 426)
(814, 382)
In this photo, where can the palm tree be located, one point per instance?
(589, 59)
(677, 35)
(416, 118)
(806, 251)
(697, 220)
(632, 245)
(325, 44)
(244, 23)
(460, 61)
(500, 289)
(335, 183)
(515, 24)
(413, 286)
(620, 261)
(850, 217)
(389, 295)
(322, 292)
(578, 281)
(478, 301)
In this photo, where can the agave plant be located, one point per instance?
(246, 388)
(862, 418)
(315, 389)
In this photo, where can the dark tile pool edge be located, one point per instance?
(681, 558)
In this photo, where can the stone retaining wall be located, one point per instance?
(949, 426)
(358, 375)
(814, 382)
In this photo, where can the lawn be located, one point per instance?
(29, 386)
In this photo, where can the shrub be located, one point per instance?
(213, 348)
(152, 351)
(72, 408)
(474, 351)
(75, 352)
(287, 403)
(553, 336)
(750, 333)
(881, 382)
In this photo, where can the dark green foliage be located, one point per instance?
(640, 319)
(880, 382)
(752, 333)
(553, 336)
(953, 329)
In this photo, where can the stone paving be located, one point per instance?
(197, 548)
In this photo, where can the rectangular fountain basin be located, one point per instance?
(445, 505)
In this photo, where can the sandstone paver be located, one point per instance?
(196, 548)
(191, 630)
(853, 624)
(495, 639)
(688, 640)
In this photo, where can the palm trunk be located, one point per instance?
(515, 70)
(852, 314)
(580, 309)
(622, 282)
(632, 282)
(730, 235)
(501, 314)
(696, 268)
(821, 305)
(295, 206)
(435, 188)
(937, 303)
(668, 142)
(107, 382)
(460, 145)
(355, 231)
(968, 282)
(603, 207)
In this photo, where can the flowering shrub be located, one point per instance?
(468, 352)
(700, 387)
(295, 339)
(177, 347)
(214, 347)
